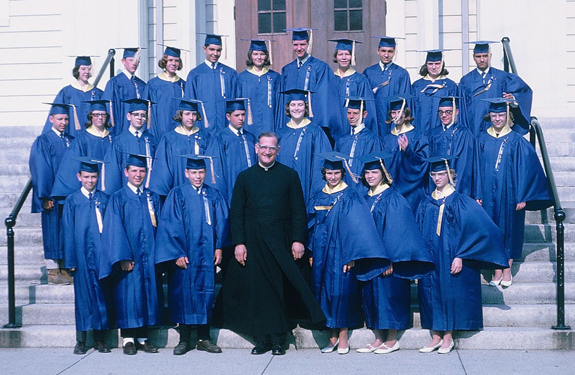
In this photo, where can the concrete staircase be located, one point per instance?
(519, 317)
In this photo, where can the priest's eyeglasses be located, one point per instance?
(448, 112)
(435, 175)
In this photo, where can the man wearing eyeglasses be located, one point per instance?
(268, 227)
(454, 138)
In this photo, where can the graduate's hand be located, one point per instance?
(520, 206)
(127, 265)
(311, 261)
(456, 266)
(403, 142)
(297, 250)
(72, 269)
(348, 266)
(508, 95)
(480, 201)
(241, 254)
(48, 204)
(182, 262)
(217, 257)
(388, 271)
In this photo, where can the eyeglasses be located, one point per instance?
(437, 174)
(99, 114)
(270, 148)
(448, 112)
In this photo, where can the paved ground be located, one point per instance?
(240, 361)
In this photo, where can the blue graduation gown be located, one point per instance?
(169, 167)
(338, 236)
(316, 76)
(356, 85)
(231, 157)
(427, 95)
(408, 168)
(456, 140)
(117, 156)
(129, 235)
(161, 92)
(85, 144)
(213, 87)
(192, 225)
(45, 157)
(263, 92)
(82, 249)
(398, 82)
(299, 149)
(472, 88)
(510, 174)
(387, 300)
(453, 302)
(71, 95)
(362, 143)
(118, 89)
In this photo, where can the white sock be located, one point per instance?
(126, 340)
(142, 340)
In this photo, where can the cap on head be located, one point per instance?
(398, 102)
(344, 44)
(136, 160)
(447, 101)
(333, 160)
(137, 104)
(82, 60)
(481, 46)
(195, 161)
(440, 163)
(386, 41)
(355, 103)
(434, 55)
(97, 105)
(88, 164)
(172, 51)
(300, 33)
(498, 105)
(258, 45)
(59, 108)
(214, 39)
(373, 161)
(238, 104)
(130, 52)
(188, 104)
(296, 94)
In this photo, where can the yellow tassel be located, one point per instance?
(250, 117)
(76, 121)
(310, 43)
(439, 219)
(149, 114)
(309, 104)
(102, 177)
(270, 51)
(206, 123)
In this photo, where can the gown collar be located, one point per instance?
(165, 77)
(447, 191)
(96, 133)
(428, 78)
(506, 130)
(305, 122)
(378, 189)
(259, 74)
(181, 130)
(339, 187)
(77, 86)
(404, 129)
(340, 74)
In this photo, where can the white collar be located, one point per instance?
(135, 189)
(235, 131)
(58, 132)
(486, 71)
(304, 60)
(357, 129)
(383, 66)
(133, 130)
(209, 64)
(87, 193)
(128, 74)
(266, 168)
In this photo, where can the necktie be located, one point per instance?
(213, 65)
(299, 64)
(137, 133)
(90, 195)
(62, 135)
(133, 79)
(139, 191)
(483, 76)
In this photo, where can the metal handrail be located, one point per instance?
(10, 223)
(537, 134)
(508, 61)
(108, 61)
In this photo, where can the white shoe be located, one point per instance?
(507, 284)
(368, 349)
(448, 349)
(343, 351)
(384, 349)
(329, 348)
(429, 349)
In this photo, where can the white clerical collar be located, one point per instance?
(209, 64)
(357, 129)
(266, 168)
(86, 192)
(486, 71)
(133, 130)
(234, 130)
(135, 189)
(384, 66)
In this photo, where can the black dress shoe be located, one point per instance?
(147, 347)
(208, 346)
(277, 349)
(80, 348)
(182, 348)
(101, 347)
(261, 347)
(130, 348)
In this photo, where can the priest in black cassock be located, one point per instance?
(268, 227)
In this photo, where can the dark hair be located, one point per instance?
(406, 112)
(178, 116)
(324, 170)
(384, 180)
(76, 71)
(487, 117)
(306, 113)
(164, 61)
(250, 62)
(268, 135)
(423, 70)
(90, 116)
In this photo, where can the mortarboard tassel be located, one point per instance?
(250, 117)
(270, 50)
(149, 114)
(385, 172)
(353, 53)
(310, 43)
(102, 177)
(206, 123)
(310, 112)
(76, 121)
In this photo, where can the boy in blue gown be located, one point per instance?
(262, 86)
(45, 157)
(83, 219)
(512, 181)
(136, 140)
(233, 148)
(462, 240)
(487, 82)
(186, 138)
(212, 82)
(127, 257)
(454, 138)
(429, 90)
(359, 141)
(77, 95)
(301, 140)
(386, 299)
(122, 87)
(193, 229)
(161, 90)
(340, 233)
(386, 79)
(308, 73)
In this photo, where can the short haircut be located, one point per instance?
(164, 61)
(324, 170)
(268, 135)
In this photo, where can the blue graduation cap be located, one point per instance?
(131, 52)
(333, 159)
(83, 60)
(374, 160)
(97, 105)
(356, 102)
(481, 46)
(345, 44)
(397, 102)
(498, 105)
(434, 54)
(258, 44)
(449, 101)
(238, 104)
(296, 94)
(214, 39)
(88, 164)
(440, 162)
(59, 108)
(172, 51)
(300, 33)
(137, 104)
(188, 104)
(386, 41)
(137, 160)
(196, 161)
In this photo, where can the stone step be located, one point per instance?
(24, 255)
(31, 274)
(25, 236)
(18, 143)
(14, 169)
(22, 291)
(540, 272)
(548, 216)
(547, 233)
(20, 132)
(560, 163)
(524, 338)
(525, 294)
(566, 193)
(13, 184)
(15, 156)
(545, 252)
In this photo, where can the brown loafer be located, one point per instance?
(208, 346)
(147, 347)
(80, 348)
(130, 349)
(101, 347)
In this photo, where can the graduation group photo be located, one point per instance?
(346, 206)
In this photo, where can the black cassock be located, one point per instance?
(267, 215)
